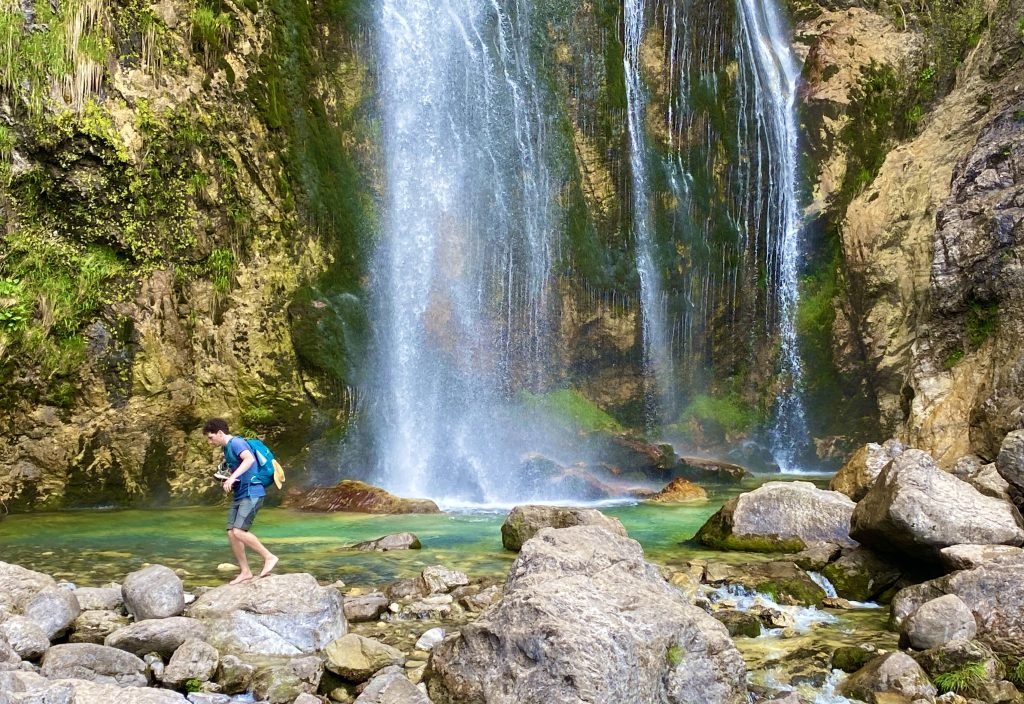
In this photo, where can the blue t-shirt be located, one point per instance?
(247, 485)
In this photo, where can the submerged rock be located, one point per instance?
(585, 618)
(357, 497)
(524, 522)
(396, 541)
(780, 517)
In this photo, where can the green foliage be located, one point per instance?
(730, 413)
(193, 685)
(221, 266)
(674, 655)
(211, 32)
(981, 322)
(572, 408)
(1016, 673)
(952, 359)
(961, 680)
(14, 311)
(6, 143)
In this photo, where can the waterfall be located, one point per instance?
(775, 74)
(658, 354)
(463, 272)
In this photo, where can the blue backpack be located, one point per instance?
(265, 462)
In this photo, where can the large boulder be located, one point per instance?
(967, 557)
(159, 635)
(782, 581)
(356, 658)
(983, 477)
(890, 674)
(524, 522)
(1010, 461)
(100, 598)
(916, 509)
(77, 691)
(96, 663)
(585, 618)
(283, 681)
(938, 622)
(780, 517)
(18, 585)
(153, 592)
(957, 654)
(861, 575)
(25, 636)
(95, 626)
(54, 609)
(287, 614)
(193, 660)
(438, 579)
(391, 688)
(357, 497)
(860, 471)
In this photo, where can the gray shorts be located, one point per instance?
(242, 512)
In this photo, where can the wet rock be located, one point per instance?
(283, 682)
(739, 623)
(193, 660)
(479, 601)
(429, 639)
(893, 673)
(153, 592)
(957, 654)
(54, 609)
(861, 575)
(850, 658)
(680, 491)
(18, 585)
(816, 556)
(392, 688)
(966, 557)
(357, 497)
(287, 614)
(699, 469)
(783, 581)
(161, 635)
(408, 587)
(356, 658)
(99, 598)
(582, 614)
(95, 626)
(368, 607)
(397, 541)
(937, 622)
(523, 522)
(916, 509)
(438, 579)
(95, 663)
(860, 471)
(234, 675)
(780, 517)
(25, 637)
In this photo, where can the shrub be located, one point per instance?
(963, 679)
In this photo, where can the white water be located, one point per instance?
(462, 276)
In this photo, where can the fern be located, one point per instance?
(963, 679)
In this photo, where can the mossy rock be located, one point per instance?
(739, 623)
(717, 533)
(861, 575)
(849, 658)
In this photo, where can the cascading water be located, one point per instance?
(463, 275)
(775, 74)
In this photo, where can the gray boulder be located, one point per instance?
(18, 585)
(585, 618)
(391, 688)
(153, 592)
(890, 674)
(966, 557)
(397, 541)
(54, 609)
(1010, 461)
(283, 681)
(8, 656)
(937, 622)
(160, 635)
(956, 654)
(780, 517)
(25, 637)
(234, 675)
(76, 691)
(193, 660)
(858, 474)
(523, 522)
(369, 607)
(95, 663)
(983, 477)
(356, 659)
(100, 598)
(286, 615)
(916, 509)
(95, 626)
(438, 579)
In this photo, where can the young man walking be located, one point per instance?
(247, 499)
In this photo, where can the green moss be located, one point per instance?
(952, 359)
(717, 533)
(221, 268)
(850, 658)
(571, 408)
(674, 655)
(981, 322)
(729, 413)
(962, 680)
(792, 591)
(1016, 673)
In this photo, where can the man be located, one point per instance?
(247, 499)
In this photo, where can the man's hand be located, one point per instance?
(227, 484)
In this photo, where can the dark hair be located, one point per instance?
(215, 425)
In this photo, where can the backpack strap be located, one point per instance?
(234, 459)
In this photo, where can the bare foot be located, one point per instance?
(269, 565)
(244, 577)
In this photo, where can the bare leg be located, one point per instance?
(238, 548)
(250, 540)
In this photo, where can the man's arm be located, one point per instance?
(248, 460)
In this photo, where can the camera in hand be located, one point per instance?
(222, 472)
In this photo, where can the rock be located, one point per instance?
(983, 477)
(234, 675)
(588, 619)
(916, 509)
(160, 635)
(780, 517)
(739, 623)
(966, 557)
(836, 602)
(783, 581)
(391, 688)
(287, 614)
(95, 663)
(369, 607)
(402, 588)
(956, 654)
(18, 585)
(861, 575)
(479, 601)
(937, 622)
(429, 639)
(398, 541)
(523, 522)
(860, 471)
(54, 609)
(1010, 460)
(95, 626)
(8, 656)
(893, 673)
(438, 579)
(438, 606)
(816, 556)
(153, 592)
(909, 599)
(850, 658)
(193, 660)
(76, 691)
(680, 491)
(25, 637)
(99, 598)
(356, 658)
(357, 497)
(700, 469)
(307, 699)
(282, 682)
